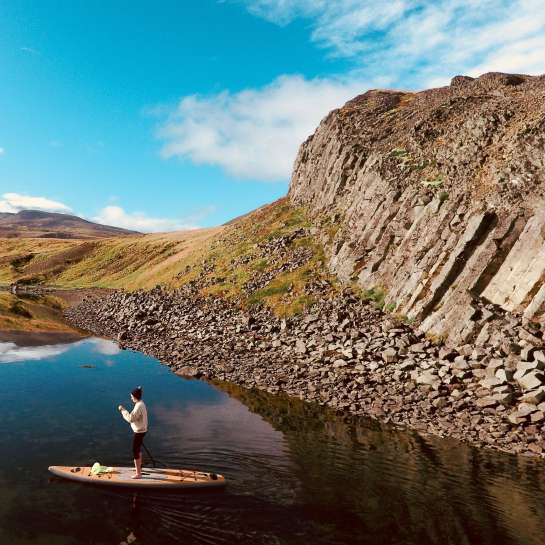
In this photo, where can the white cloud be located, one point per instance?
(421, 40)
(254, 133)
(409, 44)
(138, 221)
(524, 57)
(109, 215)
(14, 202)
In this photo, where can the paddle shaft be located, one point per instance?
(153, 461)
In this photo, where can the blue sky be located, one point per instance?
(166, 115)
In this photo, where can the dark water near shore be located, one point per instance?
(297, 475)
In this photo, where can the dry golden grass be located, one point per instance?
(125, 262)
(12, 249)
(224, 258)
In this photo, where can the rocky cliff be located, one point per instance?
(437, 198)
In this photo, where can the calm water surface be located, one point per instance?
(297, 475)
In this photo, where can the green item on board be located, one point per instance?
(97, 469)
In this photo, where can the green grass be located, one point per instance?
(390, 307)
(225, 259)
(442, 196)
(433, 182)
(261, 295)
(399, 152)
(286, 292)
(260, 265)
(376, 294)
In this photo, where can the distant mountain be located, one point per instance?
(38, 224)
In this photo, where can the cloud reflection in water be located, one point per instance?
(105, 347)
(11, 353)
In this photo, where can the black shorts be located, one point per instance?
(137, 441)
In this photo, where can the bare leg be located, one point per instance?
(138, 467)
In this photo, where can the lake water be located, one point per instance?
(296, 474)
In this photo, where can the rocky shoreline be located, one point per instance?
(346, 354)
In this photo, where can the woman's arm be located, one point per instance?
(134, 416)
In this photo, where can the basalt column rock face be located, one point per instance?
(436, 197)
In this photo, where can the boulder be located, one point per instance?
(530, 365)
(429, 379)
(531, 380)
(493, 366)
(460, 363)
(539, 356)
(534, 396)
(515, 419)
(440, 402)
(504, 398)
(505, 375)
(526, 409)
(486, 402)
(348, 353)
(527, 353)
(446, 353)
(510, 348)
(389, 355)
(491, 382)
(188, 371)
(478, 353)
(530, 338)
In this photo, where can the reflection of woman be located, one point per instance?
(138, 419)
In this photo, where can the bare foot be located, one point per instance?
(136, 476)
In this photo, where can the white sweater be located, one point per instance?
(138, 418)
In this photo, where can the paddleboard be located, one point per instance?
(153, 478)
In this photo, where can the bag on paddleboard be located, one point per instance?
(97, 469)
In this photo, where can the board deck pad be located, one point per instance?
(156, 478)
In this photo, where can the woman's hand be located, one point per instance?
(120, 408)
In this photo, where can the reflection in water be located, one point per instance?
(11, 353)
(37, 347)
(296, 474)
(103, 346)
(34, 312)
(403, 487)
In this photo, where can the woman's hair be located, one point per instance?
(137, 392)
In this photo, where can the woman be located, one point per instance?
(138, 419)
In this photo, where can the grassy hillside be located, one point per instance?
(267, 256)
(128, 262)
(43, 313)
(16, 254)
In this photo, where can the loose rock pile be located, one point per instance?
(347, 354)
